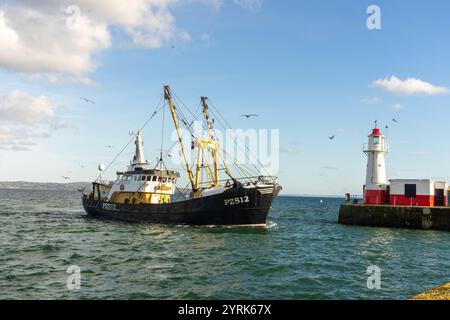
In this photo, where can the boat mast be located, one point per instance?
(138, 159)
(210, 141)
(168, 97)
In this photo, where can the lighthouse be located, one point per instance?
(376, 187)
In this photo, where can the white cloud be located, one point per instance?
(18, 138)
(45, 38)
(374, 100)
(25, 118)
(37, 41)
(20, 107)
(59, 40)
(293, 149)
(205, 37)
(421, 153)
(397, 106)
(330, 168)
(249, 4)
(409, 86)
(216, 5)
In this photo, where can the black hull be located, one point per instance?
(236, 207)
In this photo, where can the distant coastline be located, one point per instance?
(43, 185)
(310, 196)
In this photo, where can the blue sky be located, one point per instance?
(307, 67)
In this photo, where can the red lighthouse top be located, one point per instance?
(376, 133)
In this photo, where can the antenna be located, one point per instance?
(386, 145)
(101, 168)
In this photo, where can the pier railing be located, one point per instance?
(353, 199)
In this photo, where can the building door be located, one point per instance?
(439, 197)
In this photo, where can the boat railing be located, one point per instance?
(104, 182)
(245, 180)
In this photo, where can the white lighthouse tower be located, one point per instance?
(375, 189)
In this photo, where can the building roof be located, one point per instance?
(416, 180)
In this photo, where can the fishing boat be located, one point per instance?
(214, 195)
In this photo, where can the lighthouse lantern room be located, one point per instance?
(376, 187)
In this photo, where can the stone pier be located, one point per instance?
(435, 218)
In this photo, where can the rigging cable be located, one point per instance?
(162, 136)
(236, 164)
(123, 149)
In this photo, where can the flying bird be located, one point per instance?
(250, 115)
(81, 166)
(87, 100)
(109, 147)
(65, 178)
(332, 137)
(81, 190)
(395, 120)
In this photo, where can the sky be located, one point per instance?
(311, 69)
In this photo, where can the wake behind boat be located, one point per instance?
(144, 194)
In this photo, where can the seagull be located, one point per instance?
(250, 115)
(81, 166)
(109, 147)
(87, 100)
(65, 178)
(395, 120)
(81, 190)
(332, 137)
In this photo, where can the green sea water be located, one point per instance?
(302, 254)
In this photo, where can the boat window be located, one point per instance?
(159, 179)
(149, 178)
(143, 178)
(154, 178)
(135, 178)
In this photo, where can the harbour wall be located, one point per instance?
(435, 218)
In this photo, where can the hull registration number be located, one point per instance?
(109, 206)
(236, 201)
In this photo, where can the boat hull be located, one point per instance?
(240, 206)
